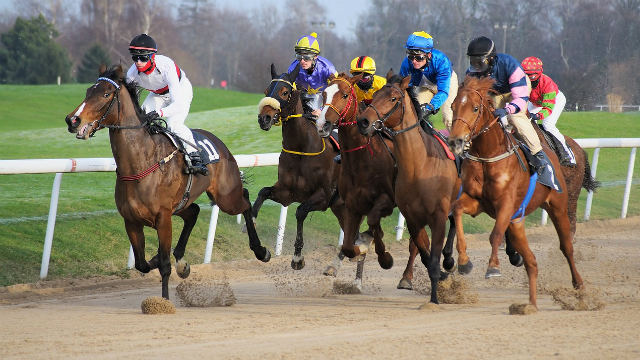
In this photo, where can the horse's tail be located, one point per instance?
(588, 182)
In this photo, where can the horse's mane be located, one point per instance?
(394, 79)
(116, 74)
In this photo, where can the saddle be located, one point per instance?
(208, 151)
(442, 139)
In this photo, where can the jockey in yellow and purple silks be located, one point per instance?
(513, 88)
(434, 84)
(314, 73)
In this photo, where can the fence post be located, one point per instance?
(627, 187)
(51, 224)
(594, 168)
(213, 223)
(400, 227)
(281, 224)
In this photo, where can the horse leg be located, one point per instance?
(407, 275)
(514, 258)
(315, 202)
(463, 205)
(563, 228)
(437, 242)
(163, 228)
(332, 270)
(261, 252)
(495, 238)
(382, 207)
(264, 194)
(448, 262)
(189, 216)
(518, 239)
(136, 238)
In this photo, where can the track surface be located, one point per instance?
(285, 314)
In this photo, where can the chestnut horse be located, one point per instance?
(427, 181)
(146, 197)
(368, 172)
(307, 173)
(495, 182)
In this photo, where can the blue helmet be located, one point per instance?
(420, 41)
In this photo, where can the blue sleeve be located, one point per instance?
(442, 67)
(293, 65)
(404, 68)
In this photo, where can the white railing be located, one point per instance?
(60, 166)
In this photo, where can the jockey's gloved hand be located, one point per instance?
(535, 116)
(500, 112)
(152, 115)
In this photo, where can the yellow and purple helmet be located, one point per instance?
(308, 44)
(363, 64)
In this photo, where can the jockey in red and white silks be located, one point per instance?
(170, 94)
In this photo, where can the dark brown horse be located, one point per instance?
(307, 173)
(368, 172)
(151, 185)
(495, 181)
(427, 181)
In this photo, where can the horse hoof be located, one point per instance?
(516, 260)
(183, 269)
(492, 272)
(266, 257)
(330, 271)
(449, 264)
(297, 265)
(386, 261)
(405, 284)
(443, 276)
(465, 269)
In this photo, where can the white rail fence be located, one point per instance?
(60, 166)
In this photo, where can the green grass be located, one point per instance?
(89, 237)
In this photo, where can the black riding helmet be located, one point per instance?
(143, 44)
(482, 53)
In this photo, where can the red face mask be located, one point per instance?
(148, 66)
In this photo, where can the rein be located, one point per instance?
(378, 125)
(352, 100)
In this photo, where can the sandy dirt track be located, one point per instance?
(282, 314)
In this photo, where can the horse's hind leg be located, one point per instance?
(383, 207)
(314, 203)
(514, 258)
(563, 228)
(163, 228)
(448, 262)
(136, 237)
(189, 216)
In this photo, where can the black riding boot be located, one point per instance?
(563, 156)
(196, 166)
(539, 162)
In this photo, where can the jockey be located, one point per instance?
(546, 103)
(370, 82)
(434, 83)
(513, 89)
(170, 93)
(314, 73)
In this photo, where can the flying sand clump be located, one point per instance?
(157, 305)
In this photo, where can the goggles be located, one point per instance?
(306, 57)
(413, 57)
(142, 58)
(366, 77)
(478, 63)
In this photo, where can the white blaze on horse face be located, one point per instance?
(464, 100)
(80, 109)
(330, 91)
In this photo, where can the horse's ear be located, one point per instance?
(102, 69)
(355, 79)
(389, 74)
(405, 82)
(294, 73)
(274, 73)
(119, 72)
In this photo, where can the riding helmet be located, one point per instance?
(481, 46)
(143, 44)
(308, 44)
(532, 67)
(419, 41)
(363, 64)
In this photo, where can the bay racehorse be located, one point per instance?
(367, 177)
(496, 181)
(151, 185)
(307, 173)
(427, 181)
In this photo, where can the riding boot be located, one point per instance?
(563, 156)
(539, 162)
(338, 158)
(421, 109)
(197, 167)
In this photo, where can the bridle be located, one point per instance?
(98, 125)
(379, 125)
(351, 100)
(511, 149)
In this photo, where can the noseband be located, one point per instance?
(470, 137)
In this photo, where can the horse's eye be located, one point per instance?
(286, 93)
(393, 99)
(344, 96)
(106, 95)
(475, 109)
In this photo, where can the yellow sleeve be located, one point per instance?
(378, 82)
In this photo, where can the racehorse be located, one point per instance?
(495, 181)
(427, 181)
(366, 182)
(150, 184)
(307, 173)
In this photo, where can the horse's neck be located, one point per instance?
(298, 132)
(410, 146)
(491, 143)
(350, 136)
